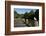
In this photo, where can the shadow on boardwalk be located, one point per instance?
(20, 23)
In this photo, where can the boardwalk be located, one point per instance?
(19, 23)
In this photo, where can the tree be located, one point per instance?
(31, 15)
(15, 12)
(25, 16)
(37, 14)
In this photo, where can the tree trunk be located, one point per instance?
(25, 20)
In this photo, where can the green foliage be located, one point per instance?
(26, 15)
(29, 15)
(16, 14)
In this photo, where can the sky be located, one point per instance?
(23, 10)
